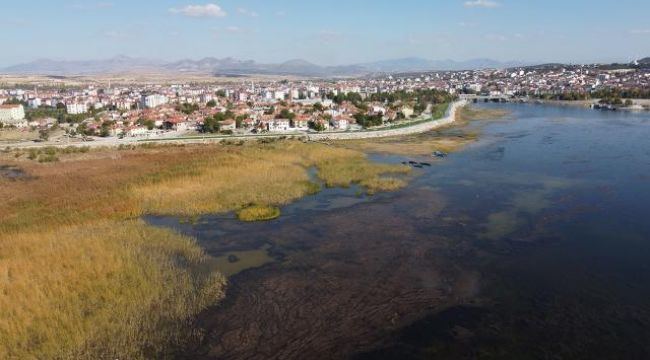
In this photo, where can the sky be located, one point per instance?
(332, 32)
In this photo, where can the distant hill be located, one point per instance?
(232, 66)
(56, 67)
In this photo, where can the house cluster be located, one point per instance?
(155, 110)
(147, 110)
(533, 81)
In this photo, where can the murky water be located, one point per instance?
(532, 244)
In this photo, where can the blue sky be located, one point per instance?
(326, 32)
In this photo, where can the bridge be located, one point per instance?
(488, 98)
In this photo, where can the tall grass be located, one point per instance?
(263, 174)
(258, 213)
(104, 290)
(79, 278)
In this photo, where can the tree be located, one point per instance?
(15, 101)
(316, 125)
(105, 131)
(210, 125)
(239, 120)
(368, 120)
(44, 135)
(211, 104)
(318, 107)
(150, 124)
(629, 103)
(187, 108)
(221, 93)
(286, 114)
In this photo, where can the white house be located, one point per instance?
(279, 125)
(341, 122)
(227, 125)
(34, 103)
(407, 111)
(137, 131)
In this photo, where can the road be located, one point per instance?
(418, 127)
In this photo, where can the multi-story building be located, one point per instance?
(76, 108)
(155, 100)
(12, 115)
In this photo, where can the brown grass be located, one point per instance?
(471, 113)
(79, 278)
(10, 134)
(258, 213)
(381, 184)
(449, 139)
(103, 290)
(266, 175)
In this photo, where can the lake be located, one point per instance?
(533, 243)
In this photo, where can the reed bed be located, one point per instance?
(102, 290)
(80, 278)
(359, 171)
(269, 175)
(258, 213)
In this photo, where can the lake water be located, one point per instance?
(533, 243)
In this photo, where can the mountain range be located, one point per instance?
(231, 66)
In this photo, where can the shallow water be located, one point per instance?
(532, 243)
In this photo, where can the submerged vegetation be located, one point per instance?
(80, 278)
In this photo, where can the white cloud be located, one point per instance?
(208, 10)
(481, 4)
(640, 31)
(234, 29)
(247, 12)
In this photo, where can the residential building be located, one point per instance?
(76, 108)
(12, 115)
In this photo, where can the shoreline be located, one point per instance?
(420, 127)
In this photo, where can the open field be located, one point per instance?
(448, 139)
(8, 135)
(81, 277)
(127, 78)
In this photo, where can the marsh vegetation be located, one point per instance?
(447, 140)
(81, 277)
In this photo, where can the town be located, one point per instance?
(154, 111)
